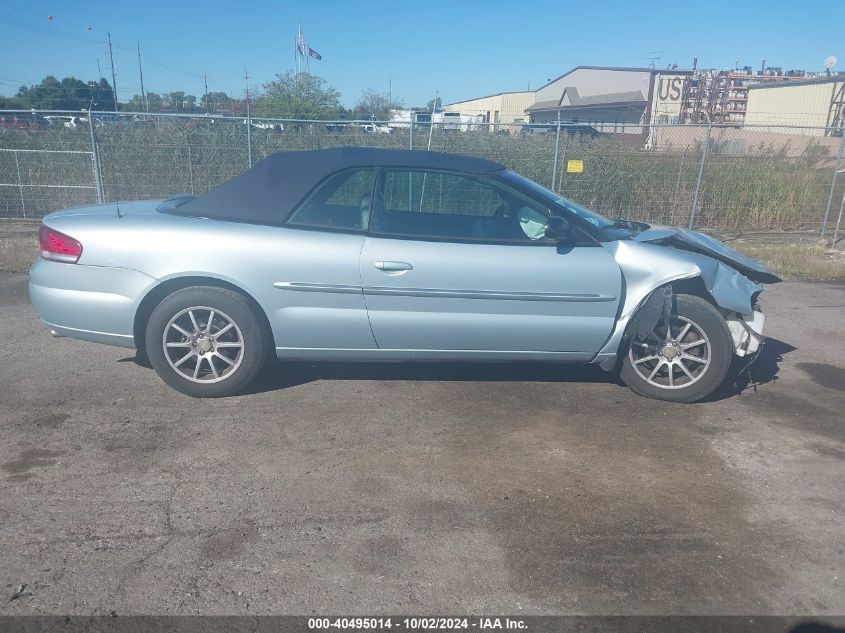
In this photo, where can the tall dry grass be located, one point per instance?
(760, 189)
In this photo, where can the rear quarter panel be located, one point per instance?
(251, 257)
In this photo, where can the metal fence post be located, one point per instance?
(557, 149)
(20, 185)
(704, 151)
(560, 173)
(833, 180)
(838, 221)
(249, 139)
(95, 161)
(411, 142)
(191, 168)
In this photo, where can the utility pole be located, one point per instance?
(389, 91)
(205, 81)
(141, 72)
(113, 78)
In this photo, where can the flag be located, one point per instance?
(301, 46)
(303, 49)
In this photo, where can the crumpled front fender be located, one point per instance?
(645, 267)
(730, 289)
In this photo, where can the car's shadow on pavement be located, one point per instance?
(763, 370)
(281, 375)
(284, 374)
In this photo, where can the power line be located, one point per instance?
(29, 25)
(38, 28)
(150, 57)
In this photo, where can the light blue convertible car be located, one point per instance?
(364, 254)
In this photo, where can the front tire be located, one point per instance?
(207, 342)
(686, 364)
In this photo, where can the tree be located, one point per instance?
(176, 100)
(434, 104)
(304, 96)
(135, 104)
(154, 101)
(375, 104)
(215, 100)
(104, 98)
(68, 94)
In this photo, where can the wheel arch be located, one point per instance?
(692, 286)
(159, 292)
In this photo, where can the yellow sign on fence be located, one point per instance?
(575, 166)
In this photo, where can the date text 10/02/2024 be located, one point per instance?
(416, 624)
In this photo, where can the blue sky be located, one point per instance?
(461, 49)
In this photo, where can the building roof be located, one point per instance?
(497, 94)
(543, 105)
(577, 101)
(269, 191)
(797, 82)
(676, 71)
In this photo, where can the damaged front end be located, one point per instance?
(658, 262)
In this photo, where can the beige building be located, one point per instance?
(612, 99)
(504, 107)
(816, 104)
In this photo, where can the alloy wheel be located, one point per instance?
(673, 357)
(203, 344)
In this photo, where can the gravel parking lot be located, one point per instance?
(422, 489)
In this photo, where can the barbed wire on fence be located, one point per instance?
(719, 177)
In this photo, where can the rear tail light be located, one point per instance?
(58, 247)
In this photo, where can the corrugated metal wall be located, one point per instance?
(801, 104)
(510, 106)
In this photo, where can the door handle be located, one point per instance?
(393, 266)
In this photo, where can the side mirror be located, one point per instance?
(559, 229)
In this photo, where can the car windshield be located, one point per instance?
(585, 214)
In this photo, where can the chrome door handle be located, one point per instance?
(393, 266)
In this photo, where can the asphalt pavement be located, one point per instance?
(397, 488)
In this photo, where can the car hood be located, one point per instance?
(696, 242)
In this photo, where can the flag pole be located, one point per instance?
(298, 52)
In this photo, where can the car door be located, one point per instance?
(458, 263)
(317, 305)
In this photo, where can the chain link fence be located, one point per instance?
(722, 178)
(33, 180)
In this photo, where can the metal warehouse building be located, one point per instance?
(611, 98)
(504, 107)
(819, 103)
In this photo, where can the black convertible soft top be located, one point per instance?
(268, 192)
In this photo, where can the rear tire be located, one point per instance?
(689, 364)
(207, 342)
